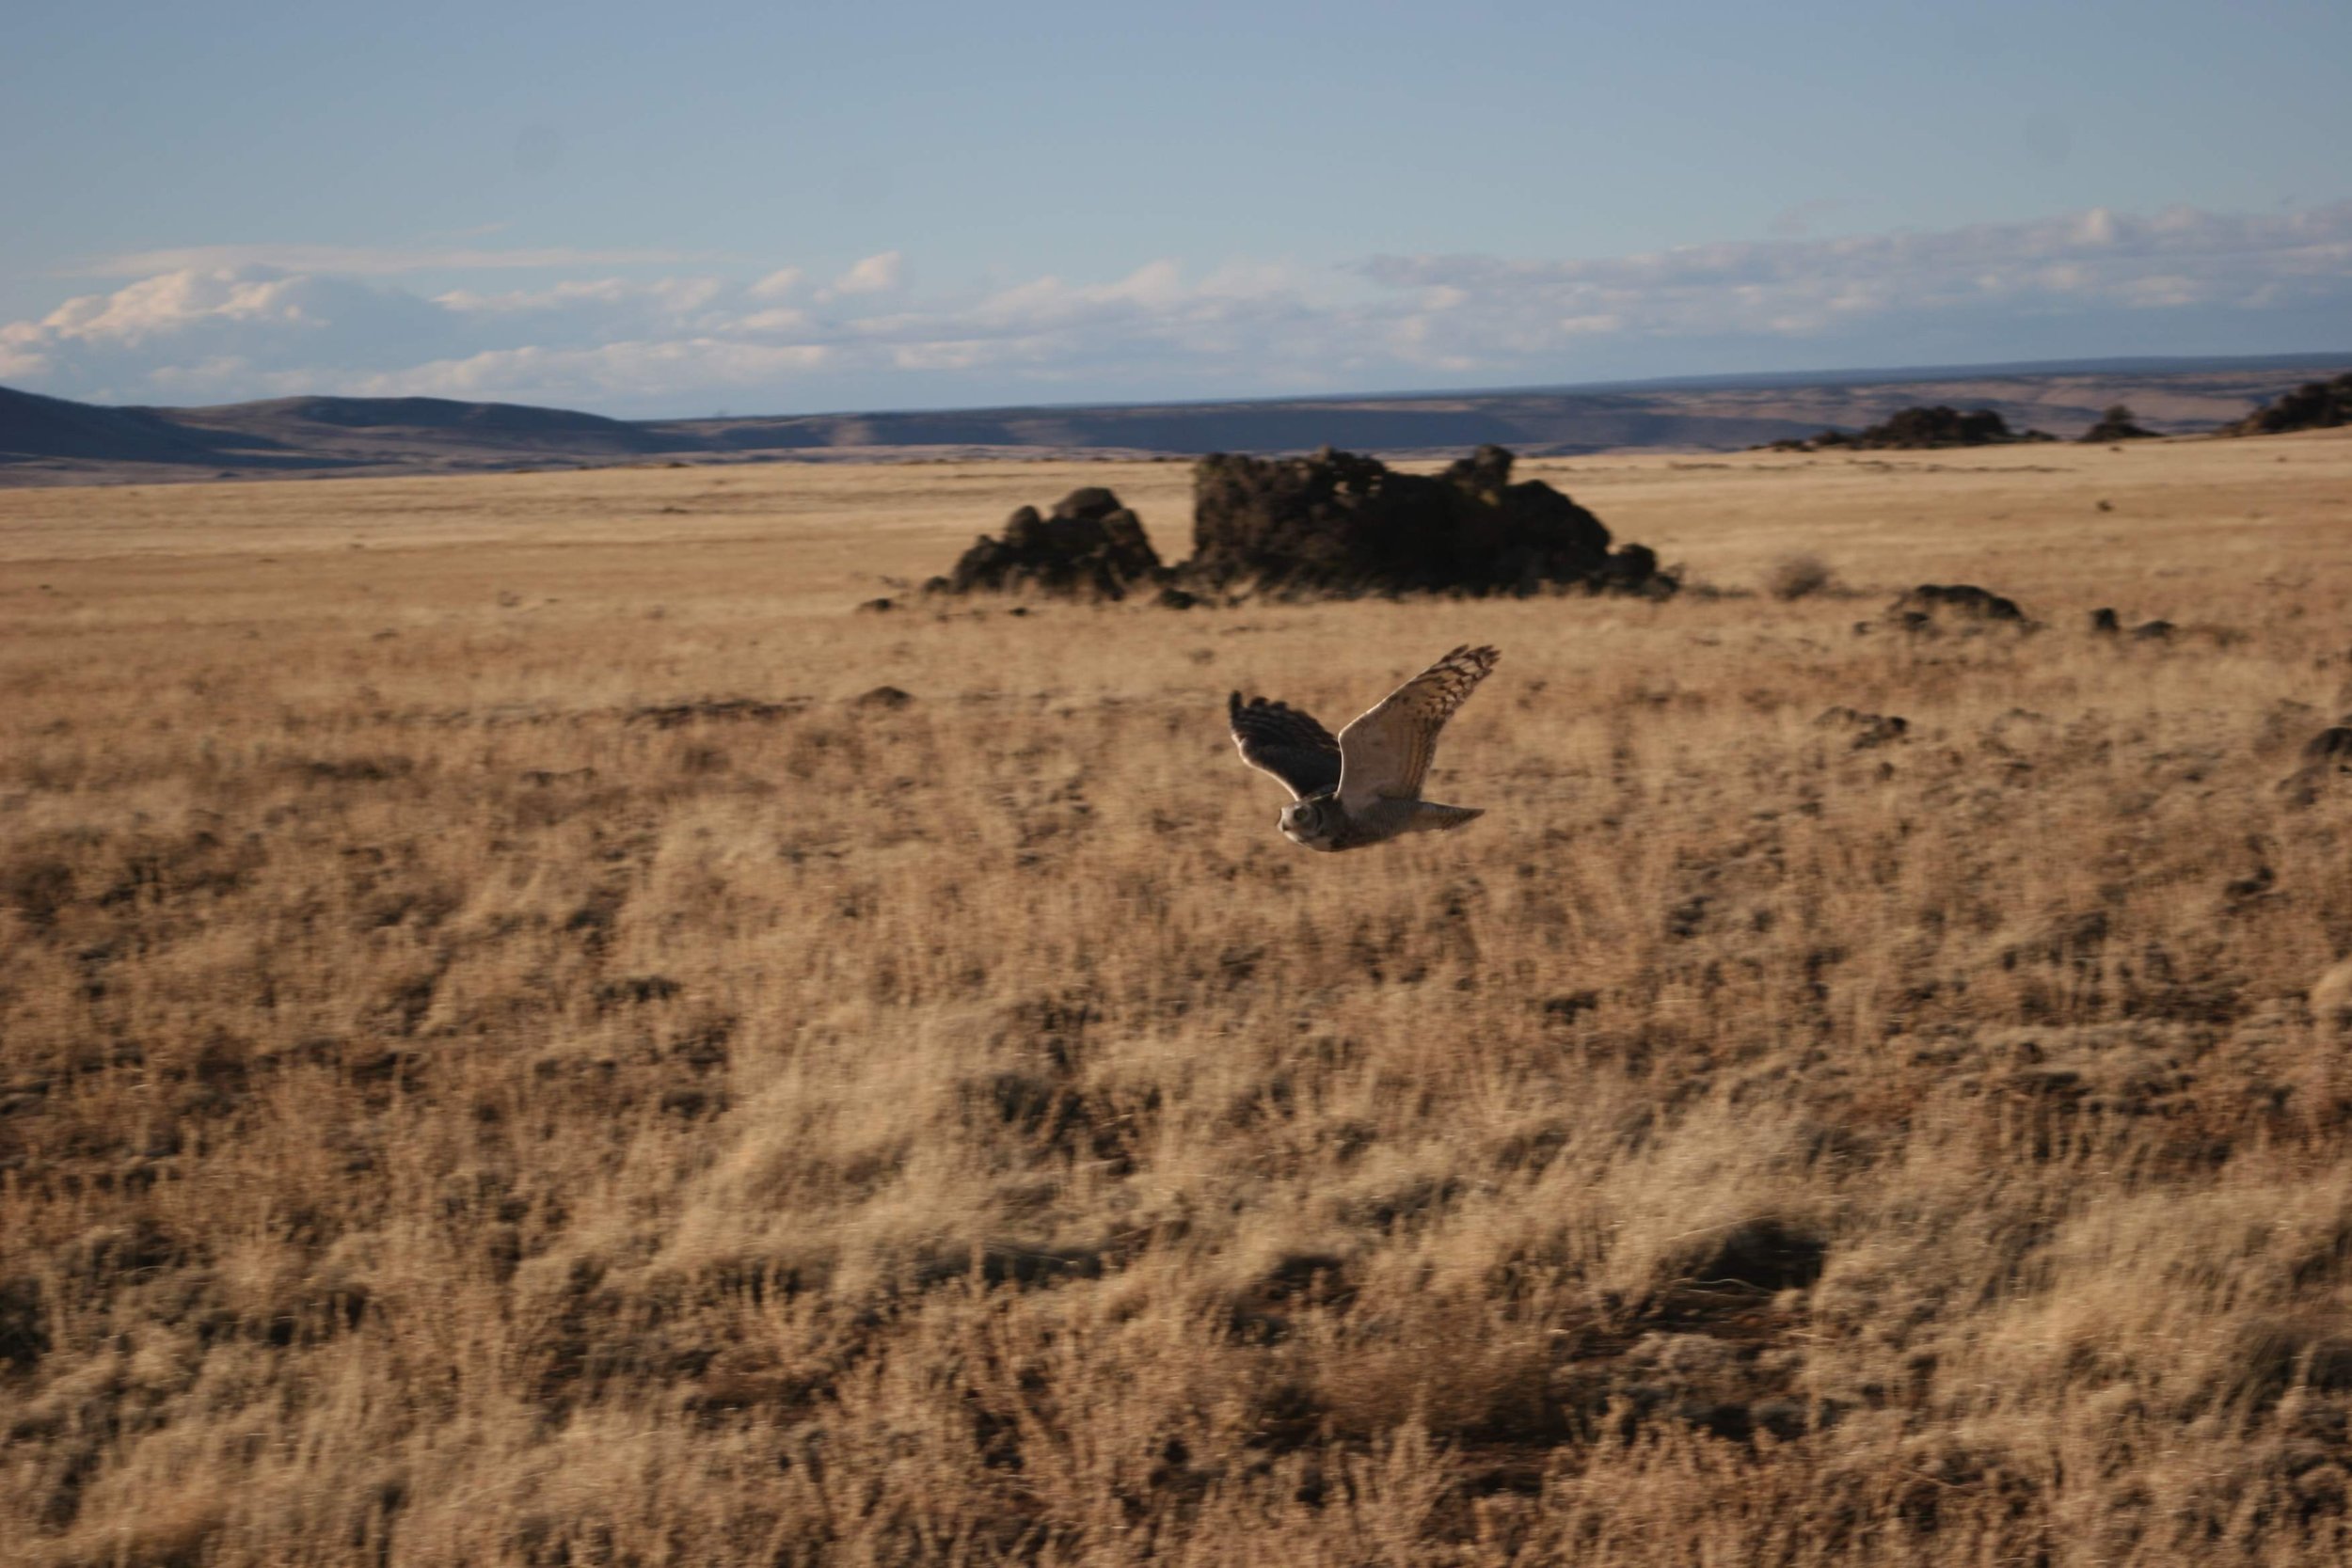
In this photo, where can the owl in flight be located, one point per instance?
(1364, 787)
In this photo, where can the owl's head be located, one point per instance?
(1313, 821)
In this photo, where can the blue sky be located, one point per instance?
(773, 208)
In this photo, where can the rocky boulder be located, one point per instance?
(1337, 524)
(1089, 548)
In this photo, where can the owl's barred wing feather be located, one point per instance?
(1277, 739)
(1386, 751)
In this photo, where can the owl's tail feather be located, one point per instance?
(1435, 819)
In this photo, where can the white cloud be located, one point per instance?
(873, 276)
(2179, 258)
(362, 260)
(676, 369)
(2115, 281)
(776, 285)
(225, 332)
(17, 361)
(780, 318)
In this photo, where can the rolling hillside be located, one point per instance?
(46, 440)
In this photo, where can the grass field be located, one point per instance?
(510, 1057)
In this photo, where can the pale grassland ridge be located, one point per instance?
(504, 1060)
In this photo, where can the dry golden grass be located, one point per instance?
(507, 1061)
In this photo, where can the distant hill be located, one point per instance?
(360, 427)
(1535, 422)
(33, 427)
(46, 440)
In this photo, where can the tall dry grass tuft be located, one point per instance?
(527, 1080)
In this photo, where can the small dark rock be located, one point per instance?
(1964, 600)
(2240, 890)
(1869, 729)
(2332, 744)
(1176, 598)
(2105, 623)
(2326, 756)
(2153, 631)
(1564, 1009)
(882, 697)
(878, 606)
(687, 1103)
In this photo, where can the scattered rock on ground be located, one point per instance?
(2105, 623)
(1090, 547)
(1935, 604)
(1868, 729)
(2313, 405)
(882, 697)
(1337, 524)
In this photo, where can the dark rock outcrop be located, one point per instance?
(1332, 526)
(2313, 405)
(1338, 524)
(1090, 547)
(1920, 429)
(2118, 424)
(1961, 598)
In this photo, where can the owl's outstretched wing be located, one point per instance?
(1386, 751)
(1277, 739)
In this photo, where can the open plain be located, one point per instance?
(514, 1053)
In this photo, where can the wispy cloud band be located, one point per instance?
(219, 323)
(367, 261)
